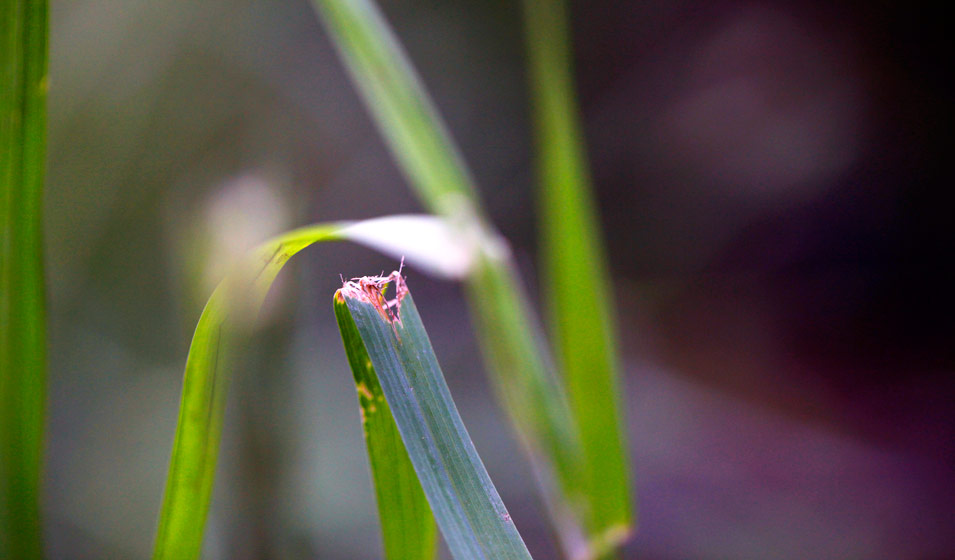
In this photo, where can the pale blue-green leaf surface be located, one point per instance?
(407, 526)
(472, 518)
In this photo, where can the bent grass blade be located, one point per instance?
(472, 518)
(226, 321)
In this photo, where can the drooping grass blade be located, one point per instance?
(224, 324)
(472, 518)
(577, 287)
(421, 144)
(407, 526)
(23, 85)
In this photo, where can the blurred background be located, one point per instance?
(771, 179)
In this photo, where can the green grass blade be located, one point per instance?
(402, 110)
(224, 324)
(23, 85)
(472, 518)
(530, 393)
(427, 154)
(575, 269)
(407, 526)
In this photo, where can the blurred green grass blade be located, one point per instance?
(407, 526)
(576, 282)
(472, 518)
(23, 85)
(224, 325)
(530, 394)
(422, 146)
(403, 112)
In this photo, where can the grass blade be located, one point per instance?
(531, 395)
(468, 509)
(23, 84)
(419, 140)
(225, 323)
(402, 110)
(573, 258)
(407, 526)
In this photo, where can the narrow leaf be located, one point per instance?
(402, 110)
(472, 518)
(407, 526)
(577, 286)
(23, 85)
(531, 395)
(223, 325)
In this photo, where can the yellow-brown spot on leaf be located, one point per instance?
(363, 391)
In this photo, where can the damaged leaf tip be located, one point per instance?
(371, 290)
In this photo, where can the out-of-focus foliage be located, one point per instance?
(23, 87)
(223, 329)
(575, 276)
